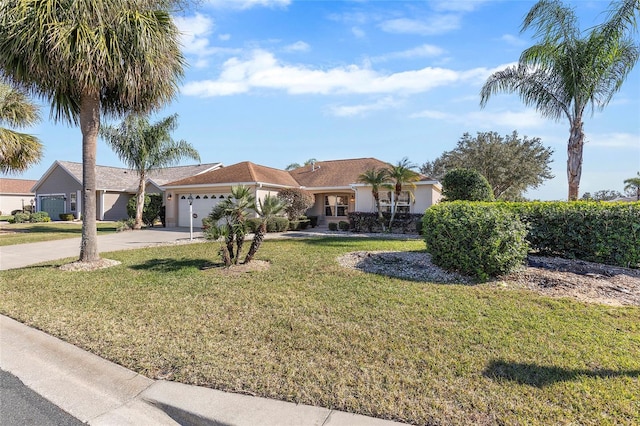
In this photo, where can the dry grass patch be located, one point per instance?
(308, 330)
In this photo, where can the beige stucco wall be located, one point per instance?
(10, 202)
(114, 205)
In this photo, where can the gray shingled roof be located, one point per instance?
(121, 179)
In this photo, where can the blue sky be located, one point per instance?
(280, 81)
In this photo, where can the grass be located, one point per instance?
(310, 331)
(22, 233)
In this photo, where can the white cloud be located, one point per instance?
(435, 25)
(358, 32)
(262, 70)
(513, 40)
(224, 37)
(362, 109)
(423, 51)
(247, 4)
(194, 33)
(527, 119)
(298, 46)
(457, 5)
(614, 140)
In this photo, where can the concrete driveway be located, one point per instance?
(21, 255)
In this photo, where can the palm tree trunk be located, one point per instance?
(376, 197)
(239, 244)
(140, 202)
(574, 158)
(257, 241)
(89, 125)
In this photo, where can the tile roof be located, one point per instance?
(16, 186)
(336, 173)
(121, 179)
(245, 172)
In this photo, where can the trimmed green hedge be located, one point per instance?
(478, 239)
(274, 224)
(599, 232)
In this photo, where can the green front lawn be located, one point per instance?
(309, 331)
(22, 233)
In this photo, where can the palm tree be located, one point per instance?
(146, 147)
(400, 175)
(566, 72)
(270, 207)
(91, 58)
(234, 211)
(633, 185)
(377, 179)
(18, 151)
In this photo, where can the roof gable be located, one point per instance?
(16, 186)
(244, 172)
(336, 173)
(126, 180)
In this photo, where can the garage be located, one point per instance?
(202, 206)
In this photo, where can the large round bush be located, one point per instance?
(466, 184)
(481, 240)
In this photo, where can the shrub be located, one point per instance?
(206, 223)
(466, 184)
(294, 225)
(481, 240)
(66, 216)
(281, 224)
(20, 218)
(274, 224)
(150, 211)
(597, 232)
(343, 225)
(333, 226)
(125, 225)
(15, 212)
(298, 201)
(313, 221)
(368, 222)
(39, 217)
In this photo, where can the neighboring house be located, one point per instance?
(334, 184)
(59, 190)
(15, 194)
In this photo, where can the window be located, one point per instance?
(336, 205)
(73, 201)
(387, 199)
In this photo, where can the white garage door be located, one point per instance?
(202, 206)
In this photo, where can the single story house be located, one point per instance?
(59, 189)
(15, 194)
(334, 184)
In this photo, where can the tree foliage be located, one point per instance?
(378, 179)
(151, 209)
(297, 201)
(400, 176)
(632, 186)
(92, 58)
(467, 185)
(18, 151)
(511, 164)
(602, 195)
(145, 147)
(568, 70)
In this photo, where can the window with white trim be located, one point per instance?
(336, 205)
(73, 201)
(387, 199)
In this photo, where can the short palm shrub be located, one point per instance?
(343, 225)
(333, 226)
(481, 240)
(66, 216)
(125, 225)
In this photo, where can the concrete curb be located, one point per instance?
(99, 392)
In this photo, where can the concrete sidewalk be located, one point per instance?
(100, 392)
(19, 256)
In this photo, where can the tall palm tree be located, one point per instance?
(401, 175)
(377, 179)
(270, 207)
(567, 71)
(18, 151)
(91, 58)
(145, 147)
(633, 184)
